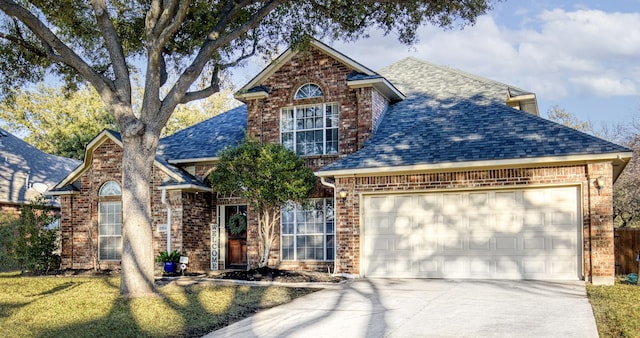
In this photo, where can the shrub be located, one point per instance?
(169, 257)
(35, 242)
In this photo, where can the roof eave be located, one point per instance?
(60, 193)
(185, 187)
(194, 160)
(620, 158)
(290, 53)
(381, 84)
(251, 95)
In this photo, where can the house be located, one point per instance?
(26, 172)
(424, 171)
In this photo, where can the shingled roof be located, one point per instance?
(177, 177)
(450, 116)
(205, 139)
(23, 167)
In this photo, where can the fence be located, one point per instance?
(627, 247)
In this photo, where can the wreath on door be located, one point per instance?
(237, 224)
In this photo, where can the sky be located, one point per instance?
(583, 56)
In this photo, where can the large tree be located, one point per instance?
(178, 42)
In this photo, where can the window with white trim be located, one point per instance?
(310, 130)
(308, 232)
(308, 91)
(110, 222)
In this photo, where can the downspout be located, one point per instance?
(166, 202)
(326, 183)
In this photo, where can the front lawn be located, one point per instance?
(92, 307)
(617, 309)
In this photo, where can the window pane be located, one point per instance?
(286, 120)
(110, 188)
(110, 230)
(287, 141)
(330, 247)
(312, 230)
(332, 141)
(309, 90)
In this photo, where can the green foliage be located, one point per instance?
(57, 121)
(616, 309)
(188, 115)
(169, 257)
(34, 243)
(268, 175)
(7, 236)
(237, 224)
(25, 57)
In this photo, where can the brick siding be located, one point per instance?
(597, 210)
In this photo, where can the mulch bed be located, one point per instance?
(283, 276)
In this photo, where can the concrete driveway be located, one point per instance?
(428, 308)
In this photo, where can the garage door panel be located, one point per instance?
(527, 233)
(480, 244)
(403, 205)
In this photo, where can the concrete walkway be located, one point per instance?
(428, 308)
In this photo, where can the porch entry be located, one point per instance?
(235, 225)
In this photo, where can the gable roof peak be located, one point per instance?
(290, 53)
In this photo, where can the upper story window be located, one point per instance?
(310, 130)
(110, 188)
(110, 222)
(308, 91)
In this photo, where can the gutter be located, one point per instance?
(326, 183)
(166, 202)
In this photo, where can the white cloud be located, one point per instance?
(556, 53)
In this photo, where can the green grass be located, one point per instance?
(616, 309)
(92, 307)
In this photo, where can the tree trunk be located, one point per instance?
(137, 254)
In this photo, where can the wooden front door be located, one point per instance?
(234, 216)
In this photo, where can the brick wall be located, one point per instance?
(598, 215)
(191, 215)
(597, 222)
(359, 108)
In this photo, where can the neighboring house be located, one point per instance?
(26, 172)
(426, 171)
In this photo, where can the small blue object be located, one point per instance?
(632, 278)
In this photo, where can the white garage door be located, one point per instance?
(502, 234)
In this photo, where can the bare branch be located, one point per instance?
(214, 41)
(173, 25)
(215, 79)
(169, 22)
(151, 19)
(114, 46)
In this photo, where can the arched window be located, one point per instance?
(308, 91)
(110, 188)
(110, 222)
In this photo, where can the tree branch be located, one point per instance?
(116, 54)
(58, 51)
(165, 24)
(213, 42)
(215, 79)
(24, 44)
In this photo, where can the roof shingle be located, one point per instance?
(451, 116)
